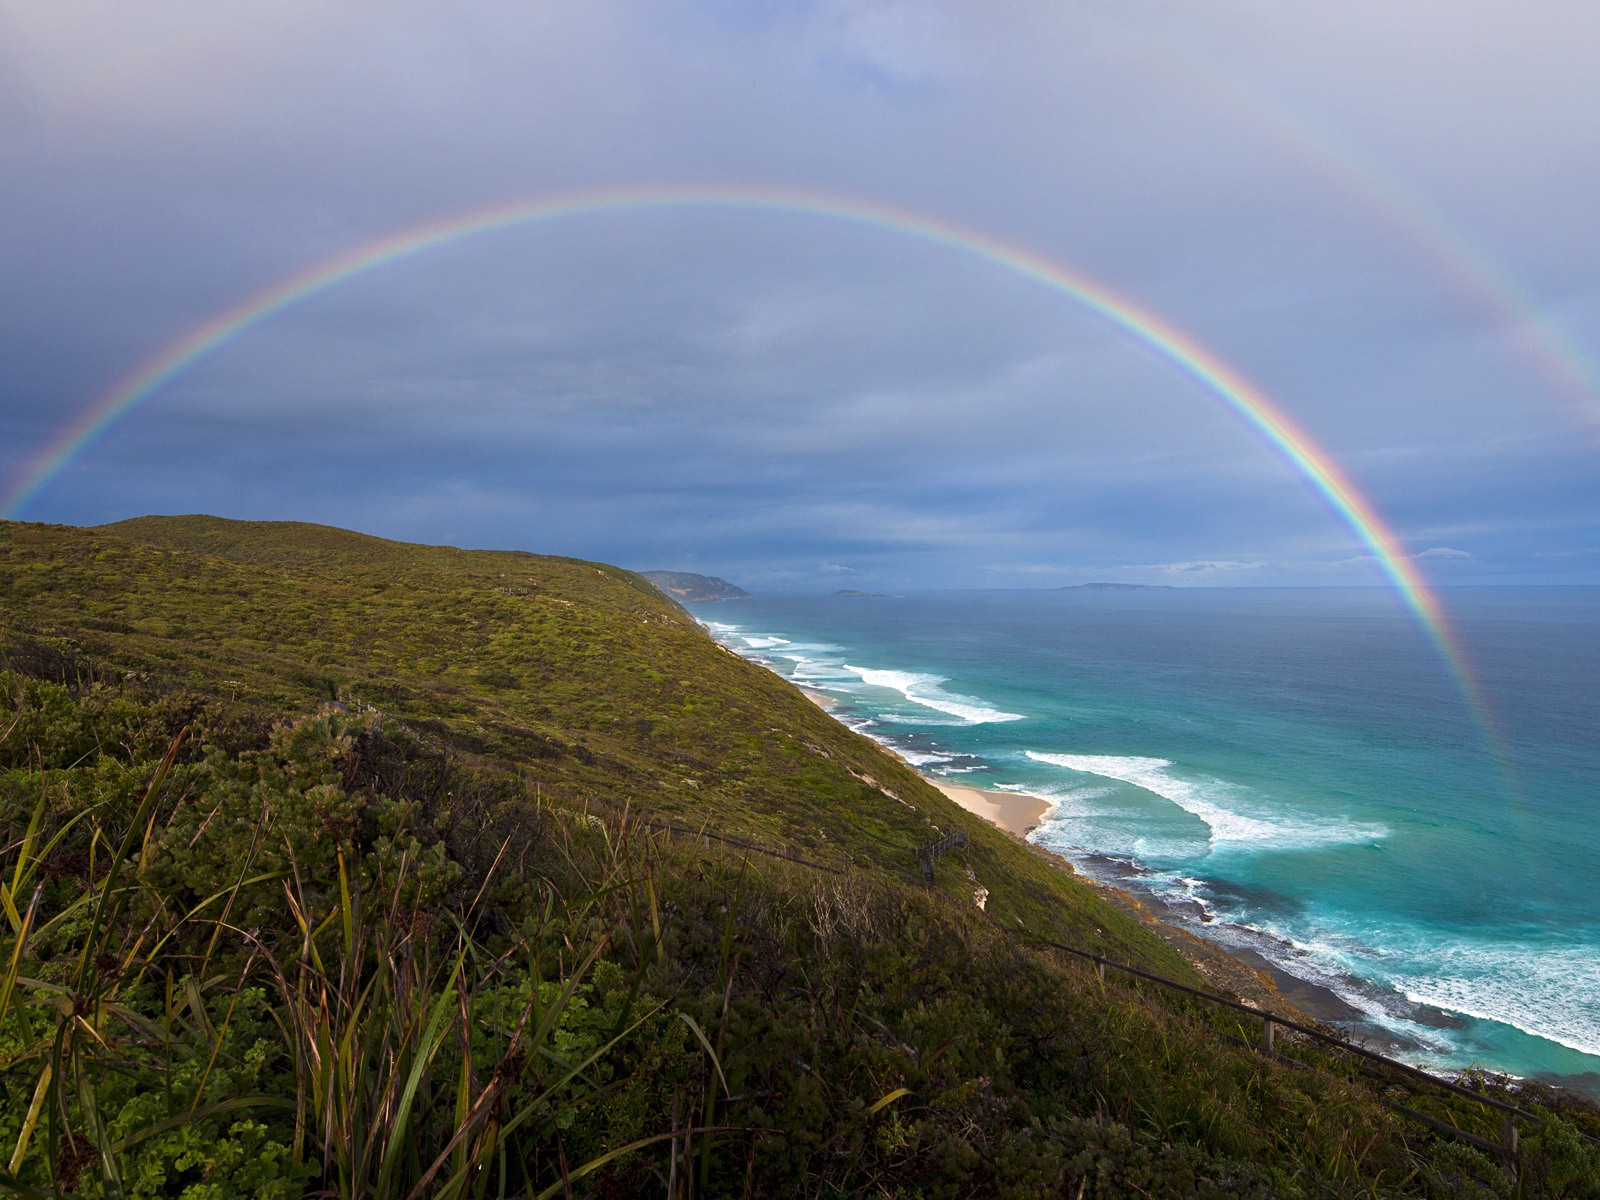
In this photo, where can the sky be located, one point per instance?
(1382, 216)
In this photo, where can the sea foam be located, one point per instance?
(1063, 801)
(764, 643)
(1550, 990)
(1200, 799)
(924, 690)
(1361, 935)
(918, 758)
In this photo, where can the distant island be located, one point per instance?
(685, 585)
(853, 592)
(1117, 587)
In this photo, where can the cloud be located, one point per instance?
(895, 41)
(761, 392)
(1209, 567)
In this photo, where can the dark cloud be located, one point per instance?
(786, 398)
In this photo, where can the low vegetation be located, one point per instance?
(332, 866)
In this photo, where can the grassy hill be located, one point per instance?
(337, 863)
(577, 676)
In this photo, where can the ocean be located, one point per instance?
(1295, 772)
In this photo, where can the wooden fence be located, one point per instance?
(1271, 1023)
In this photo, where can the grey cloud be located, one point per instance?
(777, 392)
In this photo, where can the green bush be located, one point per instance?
(260, 939)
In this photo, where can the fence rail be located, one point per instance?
(1506, 1147)
(928, 854)
(1271, 1020)
(668, 827)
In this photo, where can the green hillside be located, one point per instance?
(578, 676)
(340, 865)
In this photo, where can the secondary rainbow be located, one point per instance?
(1430, 235)
(1569, 368)
(1155, 333)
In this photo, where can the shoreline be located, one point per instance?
(1246, 974)
(1236, 960)
(1233, 967)
(1242, 971)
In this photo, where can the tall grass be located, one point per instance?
(413, 1056)
(332, 965)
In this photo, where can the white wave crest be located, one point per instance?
(808, 668)
(1326, 960)
(1552, 991)
(1063, 801)
(924, 690)
(919, 758)
(1200, 799)
(1549, 991)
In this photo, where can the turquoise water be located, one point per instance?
(1293, 769)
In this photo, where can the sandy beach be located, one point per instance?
(1236, 969)
(1012, 811)
(1240, 973)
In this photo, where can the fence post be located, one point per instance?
(1508, 1136)
(1509, 1141)
(925, 856)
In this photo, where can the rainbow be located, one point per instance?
(1159, 336)
(1420, 227)
(1566, 366)
(1430, 236)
